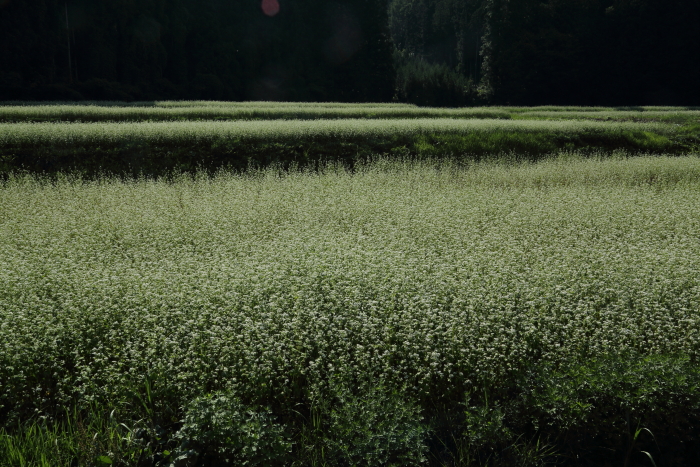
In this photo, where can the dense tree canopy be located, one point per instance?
(610, 52)
(585, 52)
(195, 49)
(445, 52)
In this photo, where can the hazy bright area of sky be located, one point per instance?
(270, 7)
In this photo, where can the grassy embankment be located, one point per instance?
(160, 147)
(159, 137)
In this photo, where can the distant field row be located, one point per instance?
(224, 104)
(174, 111)
(275, 104)
(242, 112)
(154, 147)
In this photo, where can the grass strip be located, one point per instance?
(159, 147)
(257, 111)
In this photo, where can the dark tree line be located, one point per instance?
(437, 50)
(195, 49)
(430, 52)
(575, 52)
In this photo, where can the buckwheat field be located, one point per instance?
(399, 312)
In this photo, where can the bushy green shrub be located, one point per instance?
(371, 427)
(218, 429)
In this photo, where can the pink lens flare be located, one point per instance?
(270, 7)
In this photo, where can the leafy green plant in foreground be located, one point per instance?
(219, 424)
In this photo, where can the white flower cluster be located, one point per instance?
(432, 278)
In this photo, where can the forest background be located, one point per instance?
(427, 52)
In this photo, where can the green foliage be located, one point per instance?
(429, 84)
(436, 50)
(606, 391)
(219, 429)
(36, 445)
(91, 437)
(373, 426)
(484, 423)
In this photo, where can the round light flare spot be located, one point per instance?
(270, 7)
